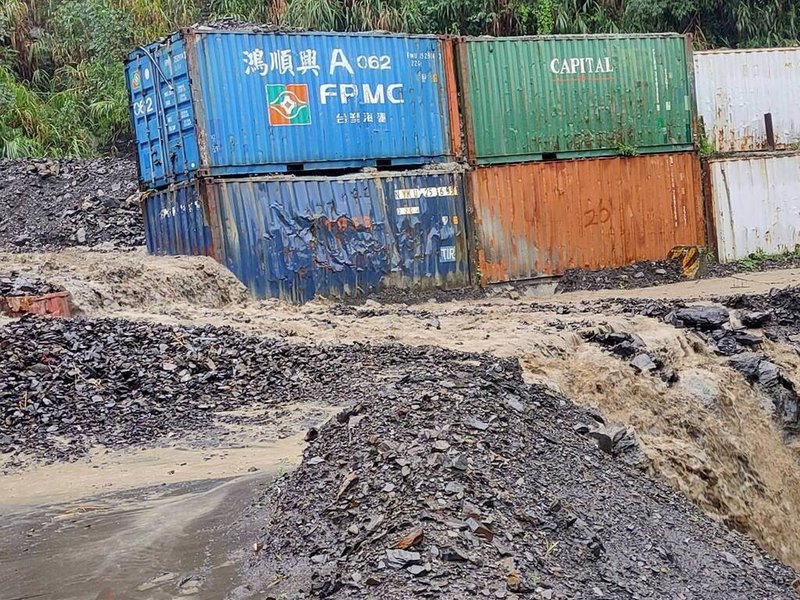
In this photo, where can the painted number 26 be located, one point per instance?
(597, 216)
(143, 106)
(374, 62)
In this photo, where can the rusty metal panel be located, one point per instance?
(539, 219)
(736, 88)
(756, 203)
(58, 304)
(177, 222)
(540, 98)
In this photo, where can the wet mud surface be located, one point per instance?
(153, 543)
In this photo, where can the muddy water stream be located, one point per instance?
(149, 544)
(144, 523)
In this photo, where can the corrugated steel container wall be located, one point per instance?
(575, 96)
(538, 219)
(756, 203)
(262, 103)
(736, 88)
(297, 237)
(178, 223)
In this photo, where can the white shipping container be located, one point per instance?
(736, 88)
(756, 204)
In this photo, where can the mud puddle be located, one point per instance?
(149, 544)
(146, 523)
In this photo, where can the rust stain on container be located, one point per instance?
(58, 304)
(540, 219)
(451, 87)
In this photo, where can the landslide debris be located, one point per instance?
(650, 273)
(14, 284)
(53, 204)
(70, 384)
(451, 478)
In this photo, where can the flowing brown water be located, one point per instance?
(711, 435)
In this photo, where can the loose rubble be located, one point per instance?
(54, 204)
(454, 479)
(661, 272)
(638, 275)
(14, 284)
(778, 313)
(70, 384)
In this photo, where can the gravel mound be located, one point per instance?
(638, 275)
(69, 384)
(778, 312)
(54, 204)
(14, 284)
(661, 272)
(451, 478)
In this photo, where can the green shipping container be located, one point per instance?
(542, 98)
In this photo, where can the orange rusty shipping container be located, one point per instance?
(539, 219)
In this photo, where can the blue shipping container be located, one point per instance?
(177, 222)
(214, 103)
(298, 237)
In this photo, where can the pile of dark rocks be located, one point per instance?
(15, 284)
(54, 204)
(651, 273)
(637, 275)
(775, 316)
(455, 479)
(70, 384)
(777, 312)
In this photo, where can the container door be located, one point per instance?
(427, 217)
(162, 113)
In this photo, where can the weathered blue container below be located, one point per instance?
(177, 222)
(299, 237)
(213, 103)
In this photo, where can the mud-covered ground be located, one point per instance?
(444, 475)
(628, 442)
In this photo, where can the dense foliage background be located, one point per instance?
(62, 90)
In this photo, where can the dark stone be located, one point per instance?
(754, 319)
(705, 318)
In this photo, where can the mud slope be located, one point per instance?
(112, 282)
(453, 479)
(710, 435)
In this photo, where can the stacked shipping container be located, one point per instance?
(209, 105)
(746, 100)
(216, 111)
(530, 101)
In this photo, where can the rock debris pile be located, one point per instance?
(778, 313)
(54, 204)
(638, 275)
(69, 384)
(451, 478)
(651, 273)
(14, 284)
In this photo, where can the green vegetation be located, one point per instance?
(755, 261)
(627, 150)
(61, 80)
